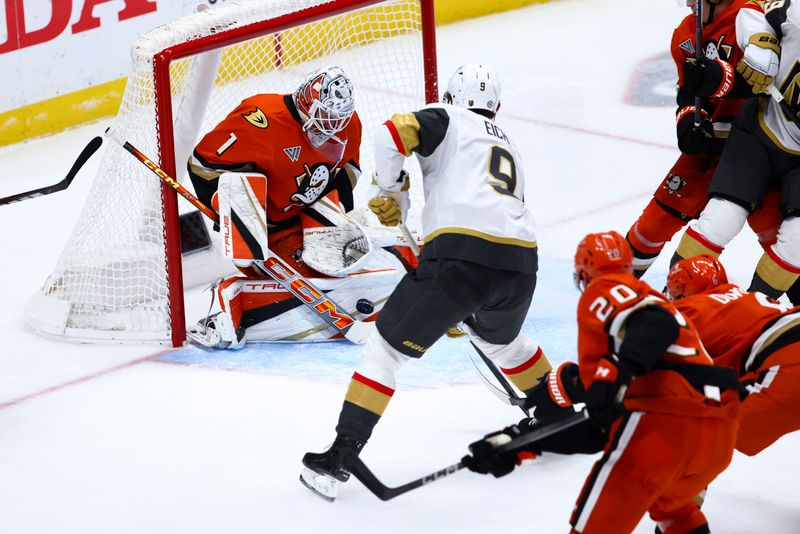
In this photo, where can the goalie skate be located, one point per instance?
(215, 332)
(323, 485)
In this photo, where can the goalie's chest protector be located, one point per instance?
(474, 188)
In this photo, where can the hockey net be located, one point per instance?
(120, 276)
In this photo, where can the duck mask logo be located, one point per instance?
(312, 183)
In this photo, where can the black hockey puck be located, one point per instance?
(365, 306)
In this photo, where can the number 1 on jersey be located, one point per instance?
(227, 144)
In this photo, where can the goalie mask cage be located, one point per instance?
(120, 275)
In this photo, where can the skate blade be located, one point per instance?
(206, 340)
(323, 485)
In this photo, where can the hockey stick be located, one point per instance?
(85, 154)
(513, 398)
(412, 242)
(698, 54)
(360, 470)
(273, 266)
(509, 396)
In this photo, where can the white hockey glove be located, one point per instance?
(391, 205)
(760, 62)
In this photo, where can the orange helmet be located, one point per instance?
(695, 275)
(602, 253)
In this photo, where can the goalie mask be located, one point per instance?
(474, 87)
(325, 103)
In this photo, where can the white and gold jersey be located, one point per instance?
(776, 118)
(473, 182)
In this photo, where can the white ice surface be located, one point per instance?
(131, 439)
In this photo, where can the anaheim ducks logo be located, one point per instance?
(673, 184)
(719, 50)
(256, 118)
(311, 183)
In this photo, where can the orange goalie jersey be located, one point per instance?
(264, 134)
(603, 309)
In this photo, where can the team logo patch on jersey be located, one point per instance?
(312, 183)
(292, 153)
(687, 45)
(257, 118)
(673, 184)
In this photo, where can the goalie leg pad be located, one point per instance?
(241, 200)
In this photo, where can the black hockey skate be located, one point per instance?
(323, 471)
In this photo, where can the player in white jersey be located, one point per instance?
(478, 265)
(763, 147)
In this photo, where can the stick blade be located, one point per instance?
(87, 152)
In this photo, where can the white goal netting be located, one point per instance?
(112, 281)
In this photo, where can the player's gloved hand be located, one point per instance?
(709, 78)
(391, 205)
(604, 397)
(698, 139)
(760, 62)
(485, 457)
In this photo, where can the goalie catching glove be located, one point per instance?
(391, 205)
(760, 62)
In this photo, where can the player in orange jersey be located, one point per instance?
(280, 169)
(663, 414)
(683, 193)
(754, 335)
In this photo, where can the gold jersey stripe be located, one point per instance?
(480, 235)
(203, 172)
(407, 128)
(370, 399)
(689, 247)
(531, 376)
(773, 274)
(764, 128)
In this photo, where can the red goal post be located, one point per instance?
(123, 287)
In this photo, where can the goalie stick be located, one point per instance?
(87, 152)
(273, 266)
(359, 469)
